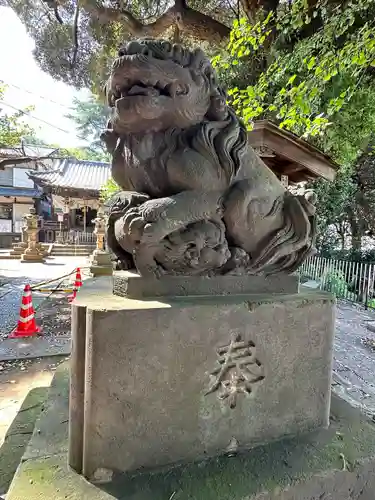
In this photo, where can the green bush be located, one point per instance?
(334, 281)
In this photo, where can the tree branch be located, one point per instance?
(249, 8)
(200, 26)
(53, 5)
(57, 15)
(235, 12)
(75, 35)
(189, 21)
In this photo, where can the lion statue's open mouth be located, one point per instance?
(150, 87)
(154, 86)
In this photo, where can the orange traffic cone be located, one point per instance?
(26, 326)
(77, 285)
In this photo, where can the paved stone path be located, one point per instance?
(34, 347)
(354, 363)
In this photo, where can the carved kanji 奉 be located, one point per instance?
(239, 370)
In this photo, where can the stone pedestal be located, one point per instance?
(19, 248)
(32, 256)
(43, 252)
(177, 379)
(132, 285)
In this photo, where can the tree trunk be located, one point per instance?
(356, 233)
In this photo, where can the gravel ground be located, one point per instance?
(354, 356)
(52, 312)
(54, 316)
(10, 299)
(13, 278)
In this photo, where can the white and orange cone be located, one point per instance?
(26, 326)
(77, 285)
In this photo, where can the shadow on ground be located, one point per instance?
(19, 434)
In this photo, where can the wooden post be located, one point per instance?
(84, 216)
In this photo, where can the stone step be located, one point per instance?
(71, 250)
(62, 253)
(73, 247)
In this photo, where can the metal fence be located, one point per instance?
(75, 237)
(84, 238)
(353, 281)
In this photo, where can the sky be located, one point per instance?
(36, 88)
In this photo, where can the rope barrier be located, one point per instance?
(58, 284)
(60, 279)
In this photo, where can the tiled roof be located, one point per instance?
(15, 191)
(72, 173)
(26, 150)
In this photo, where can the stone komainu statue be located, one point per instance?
(196, 199)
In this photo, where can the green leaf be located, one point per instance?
(311, 63)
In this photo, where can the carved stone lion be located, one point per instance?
(196, 199)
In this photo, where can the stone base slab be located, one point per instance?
(180, 379)
(131, 284)
(101, 263)
(97, 270)
(32, 257)
(332, 464)
(18, 250)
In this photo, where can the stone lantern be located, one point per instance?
(32, 253)
(101, 264)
